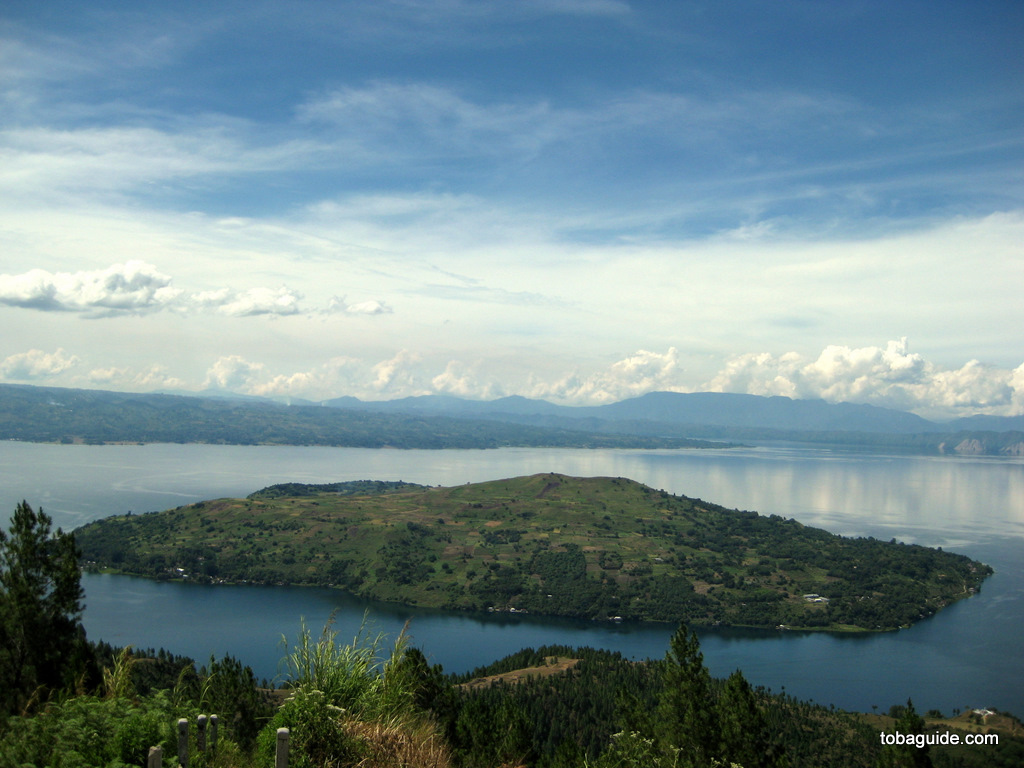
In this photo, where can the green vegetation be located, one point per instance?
(371, 704)
(601, 548)
(115, 723)
(359, 706)
(47, 415)
(68, 702)
(349, 488)
(42, 643)
(604, 711)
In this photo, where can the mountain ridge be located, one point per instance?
(653, 420)
(725, 409)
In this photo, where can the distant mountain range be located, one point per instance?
(219, 416)
(704, 409)
(50, 414)
(661, 408)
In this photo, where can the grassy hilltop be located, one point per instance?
(547, 544)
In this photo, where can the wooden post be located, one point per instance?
(201, 733)
(156, 758)
(281, 760)
(183, 743)
(213, 733)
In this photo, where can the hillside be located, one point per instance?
(49, 414)
(549, 544)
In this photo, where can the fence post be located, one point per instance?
(281, 759)
(183, 743)
(156, 758)
(213, 733)
(201, 733)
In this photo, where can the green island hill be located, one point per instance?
(599, 548)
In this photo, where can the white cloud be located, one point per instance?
(641, 372)
(233, 373)
(339, 375)
(281, 302)
(461, 380)
(36, 364)
(132, 287)
(254, 301)
(890, 377)
(155, 377)
(400, 376)
(368, 307)
(390, 122)
(295, 384)
(51, 166)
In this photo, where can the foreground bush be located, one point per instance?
(89, 731)
(350, 705)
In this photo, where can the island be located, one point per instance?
(601, 548)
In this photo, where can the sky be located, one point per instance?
(574, 200)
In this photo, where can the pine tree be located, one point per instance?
(745, 737)
(906, 755)
(42, 643)
(686, 711)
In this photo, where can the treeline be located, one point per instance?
(45, 414)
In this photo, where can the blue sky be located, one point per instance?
(580, 200)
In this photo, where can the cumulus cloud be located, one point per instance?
(233, 373)
(339, 375)
(254, 301)
(369, 307)
(36, 364)
(401, 375)
(891, 377)
(155, 377)
(134, 287)
(281, 302)
(643, 371)
(461, 380)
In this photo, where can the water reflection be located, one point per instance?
(966, 654)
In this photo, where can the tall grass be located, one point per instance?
(356, 677)
(353, 704)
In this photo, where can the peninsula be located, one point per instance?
(600, 548)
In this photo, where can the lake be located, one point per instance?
(967, 655)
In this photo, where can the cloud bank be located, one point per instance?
(889, 376)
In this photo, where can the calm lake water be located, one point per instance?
(968, 655)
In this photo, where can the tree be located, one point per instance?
(744, 733)
(42, 642)
(686, 712)
(905, 755)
